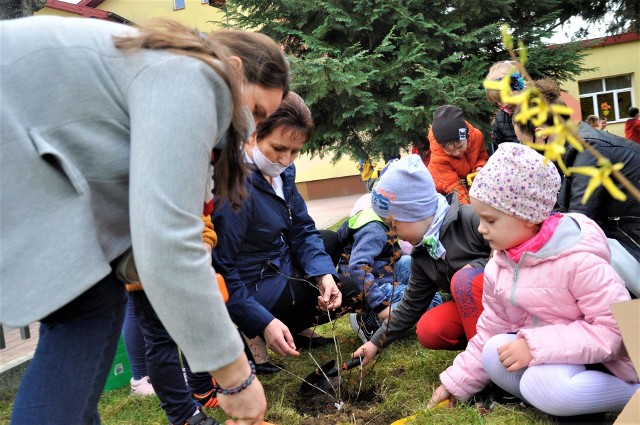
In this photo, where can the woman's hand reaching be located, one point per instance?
(247, 406)
(331, 297)
(279, 339)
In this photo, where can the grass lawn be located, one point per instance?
(398, 384)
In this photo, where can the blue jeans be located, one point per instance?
(134, 343)
(76, 347)
(392, 293)
(163, 363)
(402, 269)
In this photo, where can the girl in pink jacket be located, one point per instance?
(547, 334)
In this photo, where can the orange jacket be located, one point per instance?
(448, 172)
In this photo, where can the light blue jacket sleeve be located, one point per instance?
(368, 243)
(178, 110)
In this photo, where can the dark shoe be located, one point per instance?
(313, 342)
(492, 394)
(201, 419)
(208, 399)
(268, 368)
(363, 328)
(589, 419)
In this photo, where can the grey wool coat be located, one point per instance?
(101, 151)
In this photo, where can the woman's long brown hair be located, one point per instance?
(263, 64)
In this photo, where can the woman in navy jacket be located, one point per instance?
(281, 280)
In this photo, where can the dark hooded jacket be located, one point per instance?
(619, 220)
(262, 245)
(459, 235)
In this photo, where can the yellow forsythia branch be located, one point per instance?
(535, 109)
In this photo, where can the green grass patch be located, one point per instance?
(399, 384)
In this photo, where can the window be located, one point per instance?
(608, 98)
(178, 4)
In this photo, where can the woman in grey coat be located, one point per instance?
(107, 135)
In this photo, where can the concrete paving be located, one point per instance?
(324, 212)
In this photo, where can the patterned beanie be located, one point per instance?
(449, 125)
(515, 181)
(405, 191)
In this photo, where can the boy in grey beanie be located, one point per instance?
(446, 240)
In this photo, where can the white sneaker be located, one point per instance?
(142, 386)
(361, 328)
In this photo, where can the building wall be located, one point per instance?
(315, 178)
(195, 14)
(321, 178)
(611, 60)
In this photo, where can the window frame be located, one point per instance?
(594, 98)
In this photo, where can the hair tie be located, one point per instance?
(517, 82)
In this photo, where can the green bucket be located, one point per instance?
(120, 372)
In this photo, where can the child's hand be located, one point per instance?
(515, 355)
(367, 352)
(441, 395)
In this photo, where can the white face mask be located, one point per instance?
(266, 167)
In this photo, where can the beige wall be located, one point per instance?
(340, 176)
(308, 169)
(612, 60)
(195, 14)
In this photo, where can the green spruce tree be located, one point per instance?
(374, 71)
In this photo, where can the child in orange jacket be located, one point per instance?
(457, 150)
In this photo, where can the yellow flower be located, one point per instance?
(535, 110)
(601, 176)
(506, 37)
(562, 131)
(506, 95)
(553, 151)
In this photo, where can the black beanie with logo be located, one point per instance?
(449, 125)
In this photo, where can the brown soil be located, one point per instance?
(317, 409)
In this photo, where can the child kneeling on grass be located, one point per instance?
(373, 261)
(547, 334)
(449, 255)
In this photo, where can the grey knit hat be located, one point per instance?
(516, 181)
(405, 191)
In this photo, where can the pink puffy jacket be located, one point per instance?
(558, 299)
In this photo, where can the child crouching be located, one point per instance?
(547, 334)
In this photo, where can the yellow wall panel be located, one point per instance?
(612, 60)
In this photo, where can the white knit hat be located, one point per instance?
(516, 181)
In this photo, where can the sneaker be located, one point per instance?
(363, 328)
(142, 386)
(201, 419)
(208, 399)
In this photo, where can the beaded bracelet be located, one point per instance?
(240, 387)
